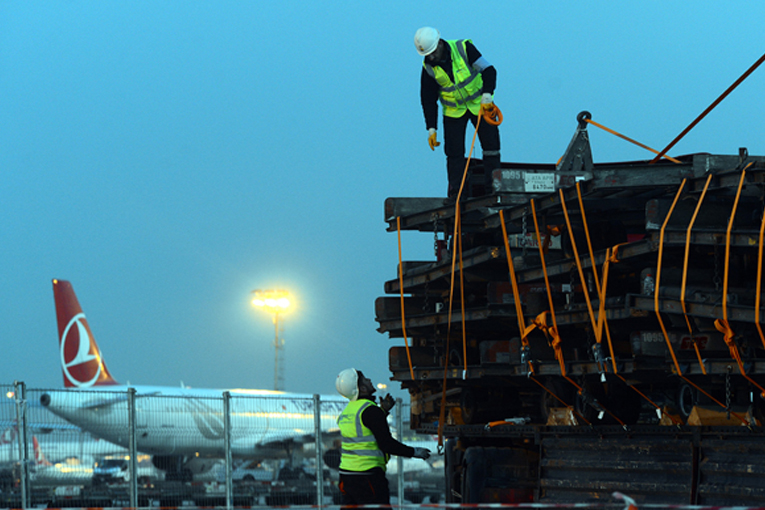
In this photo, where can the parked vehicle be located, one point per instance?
(116, 469)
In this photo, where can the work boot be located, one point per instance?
(490, 163)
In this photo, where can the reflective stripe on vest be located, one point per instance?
(465, 92)
(359, 451)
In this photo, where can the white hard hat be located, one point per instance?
(426, 40)
(347, 384)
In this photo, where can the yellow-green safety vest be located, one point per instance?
(465, 93)
(359, 451)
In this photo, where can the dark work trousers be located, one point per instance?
(454, 147)
(370, 488)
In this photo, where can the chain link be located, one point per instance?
(435, 235)
(716, 257)
(426, 301)
(571, 281)
(727, 392)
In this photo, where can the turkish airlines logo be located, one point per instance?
(81, 367)
(8, 436)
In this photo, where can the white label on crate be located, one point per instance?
(536, 183)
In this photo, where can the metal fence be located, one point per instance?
(232, 450)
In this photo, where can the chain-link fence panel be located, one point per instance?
(64, 456)
(280, 451)
(420, 480)
(282, 431)
(10, 443)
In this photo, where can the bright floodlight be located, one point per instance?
(272, 301)
(275, 302)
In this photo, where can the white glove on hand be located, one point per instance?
(421, 453)
(486, 98)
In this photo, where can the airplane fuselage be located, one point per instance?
(190, 422)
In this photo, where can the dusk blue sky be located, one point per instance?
(168, 157)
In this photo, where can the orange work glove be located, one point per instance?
(432, 139)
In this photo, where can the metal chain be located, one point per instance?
(727, 392)
(525, 232)
(435, 235)
(571, 282)
(426, 301)
(716, 257)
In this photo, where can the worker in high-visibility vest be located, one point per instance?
(455, 73)
(366, 441)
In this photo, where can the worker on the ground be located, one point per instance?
(456, 73)
(367, 443)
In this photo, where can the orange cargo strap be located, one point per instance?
(604, 128)
(457, 255)
(685, 273)
(722, 325)
(457, 246)
(612, 259)
(658, 279)
(759, 282)
(579, 269)
(587, 236)
(516, 295)
(602, 322)
(541, 320)
(401, 288)
(615, 252)
(658, 312)
(493, 116)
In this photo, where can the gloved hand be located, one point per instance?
(387, 403)
(487, 102)
(432, 139)
(421, 453)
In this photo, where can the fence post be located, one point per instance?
(132, 449)
(399, 459)
(319, 455)
(20, 392)
(227, 448)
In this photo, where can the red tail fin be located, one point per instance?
(40, 459)
(81, 360)
(8, 436)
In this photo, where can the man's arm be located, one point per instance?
(429, 99)
(480, 64)
(374, 419)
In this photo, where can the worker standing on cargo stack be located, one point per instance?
(367, 443)
(456, 73)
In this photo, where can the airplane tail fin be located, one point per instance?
(8, 436)
(81, 360)
(40, 459)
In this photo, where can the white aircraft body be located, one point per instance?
(421, 478)
(414, 465)
(60, 445)
(181, 428)
(72, 470)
